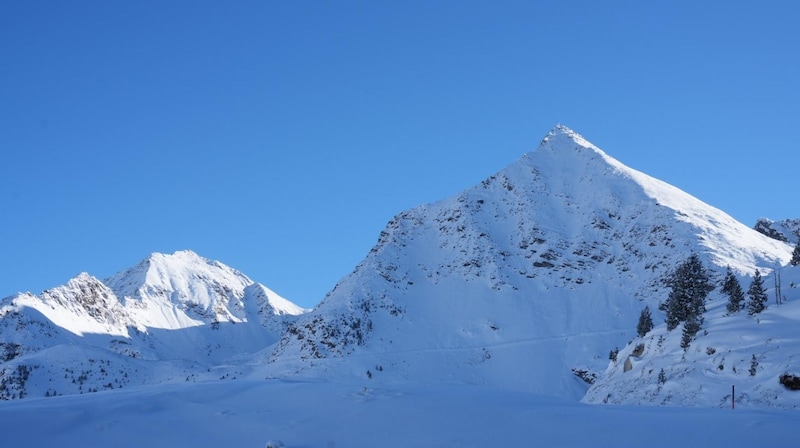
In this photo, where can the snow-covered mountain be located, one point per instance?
(524, 282)
(170, 316)
(537, 272)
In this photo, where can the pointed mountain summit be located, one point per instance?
(538, 271)
(173, 274)
(196, 289)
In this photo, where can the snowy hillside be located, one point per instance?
(169, 318)
(538, 271)
(733, 353)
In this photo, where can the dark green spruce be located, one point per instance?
(732, 288)
(645, 322)
(757, 294)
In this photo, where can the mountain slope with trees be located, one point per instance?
(537, 272)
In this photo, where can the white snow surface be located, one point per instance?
(251, 413)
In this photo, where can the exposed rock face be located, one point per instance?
(628, 365)
(786, 230)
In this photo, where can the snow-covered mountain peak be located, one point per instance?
(171, 317)
(562, 137)
(180, 275)
(568, 166)
(83, 305)
(183, 289)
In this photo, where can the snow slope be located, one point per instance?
(513, 283)
(734, 353)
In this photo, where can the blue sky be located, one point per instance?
(280, 137)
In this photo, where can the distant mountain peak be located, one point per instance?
(169, 310)
(185, 254)
(178, 276)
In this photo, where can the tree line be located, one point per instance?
(690, 285)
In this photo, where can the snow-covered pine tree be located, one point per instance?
(795, 255)
(757, 294)
(733, 289)
(689, 286)
(645, 322)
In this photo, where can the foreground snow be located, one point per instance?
(250, 413)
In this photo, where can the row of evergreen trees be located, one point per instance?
(756, 292)
(689, 286)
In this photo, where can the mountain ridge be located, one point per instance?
(524, 282)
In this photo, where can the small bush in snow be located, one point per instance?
(753, 365)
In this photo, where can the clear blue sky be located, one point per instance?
(280, 137)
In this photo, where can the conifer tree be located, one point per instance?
(757, 294)
(690, 328)
(689, 286)
(645, 322)
(795, 254)
(733, 289)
